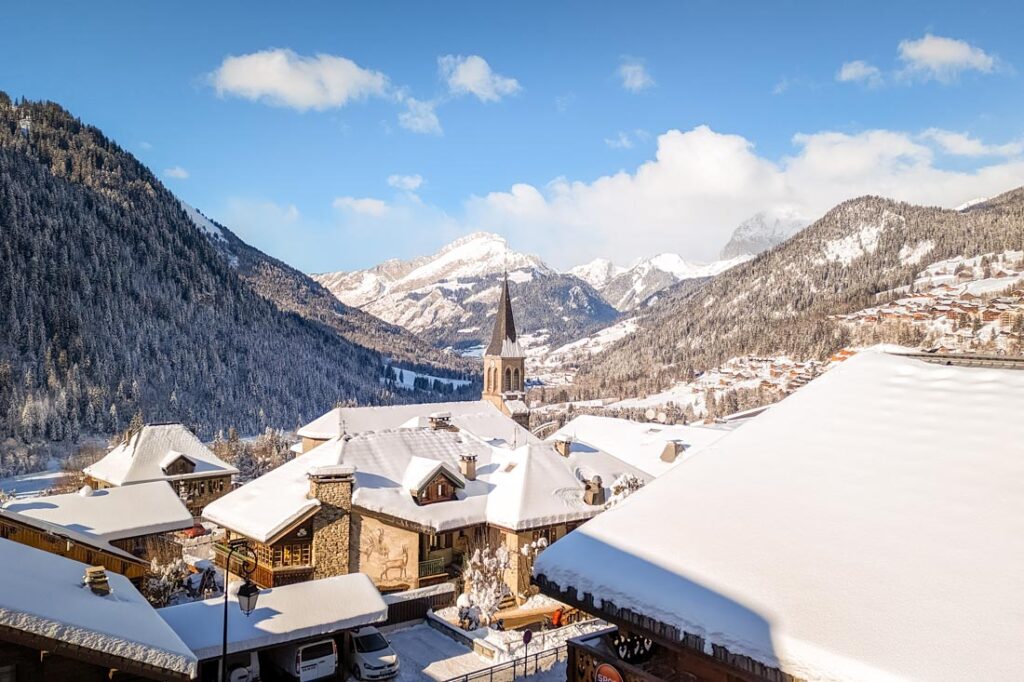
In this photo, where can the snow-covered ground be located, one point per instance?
(558, 367)
(426, 654)
(406, 379)
(33, 484)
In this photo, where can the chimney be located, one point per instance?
(96, 580)
(563, 446)
(593, 493)
(441, 421)
(332, 486)
(467, 465)
(673, 449)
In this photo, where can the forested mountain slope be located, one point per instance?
(779, 302)
(114, 301)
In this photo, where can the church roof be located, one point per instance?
(503, 338)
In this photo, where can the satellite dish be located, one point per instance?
(662, 417)
(649, 414)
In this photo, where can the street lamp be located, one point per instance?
(248, 593)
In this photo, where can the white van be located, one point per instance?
(370, 655)
(310, 661)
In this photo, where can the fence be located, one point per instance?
(414, 604)
(531, 664)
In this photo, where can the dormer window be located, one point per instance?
(431, 480)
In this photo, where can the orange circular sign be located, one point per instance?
(607, 673)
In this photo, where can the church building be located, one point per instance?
(505, 365)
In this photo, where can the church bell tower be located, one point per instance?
(505, 364)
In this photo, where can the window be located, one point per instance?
(440, 490)
(440, 541)
(293, 554)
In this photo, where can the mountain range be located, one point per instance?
(449, 298)
(119, 300)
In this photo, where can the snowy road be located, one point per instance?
(426, 654)
(31, 485)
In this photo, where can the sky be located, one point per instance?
(337, 135)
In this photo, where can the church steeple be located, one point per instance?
(505, 364)
(503, 338)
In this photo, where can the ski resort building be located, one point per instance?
(165, 452)
(867, 527)
(65, 620)
(133, 518)
(406, 505)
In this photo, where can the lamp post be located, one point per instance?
(248, 593)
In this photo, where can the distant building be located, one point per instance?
(866, 527)
(64, 620)
(134, 518)
(505, 364)
(165, 452)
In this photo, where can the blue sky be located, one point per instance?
(575, 129)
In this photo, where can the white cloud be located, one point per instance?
(283, 78)
(962, 144)
(619, 141)
(176, 172)
(473, 75)
(701, 184)
(420, 117)
(410, 183)
(859, 71)
(943, 59)
(363, 206)
(145, 145)
(634, 75)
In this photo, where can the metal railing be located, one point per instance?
(531, 664)
(431, 567)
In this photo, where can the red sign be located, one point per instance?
(607, 673)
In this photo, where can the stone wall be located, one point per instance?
(331, 523)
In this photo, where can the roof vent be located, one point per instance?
(593, 493)
(467, 466)
(563, 446)
(96, 580)
(441, 421)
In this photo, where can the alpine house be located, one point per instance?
(867, 527)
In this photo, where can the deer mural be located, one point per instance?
(393, 563)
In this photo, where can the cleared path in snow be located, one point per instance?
(426, 654)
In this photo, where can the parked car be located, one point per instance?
(370, 655)
(309, 661)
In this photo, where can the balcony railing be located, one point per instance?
(431, 567)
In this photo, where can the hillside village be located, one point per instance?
(512, 342)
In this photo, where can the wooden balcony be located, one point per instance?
(263, 575)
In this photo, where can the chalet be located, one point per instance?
(406, 505)
(165, 452)
(134, 518)
(832, 537)
(65, 620)
(71, 542)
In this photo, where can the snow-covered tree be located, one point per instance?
(485, 581)
(165, 582)
(623, 486)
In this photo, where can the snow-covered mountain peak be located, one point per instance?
(763, 230)
(598, 272)
(648, 276)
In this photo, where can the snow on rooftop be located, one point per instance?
(476, 416)
(112, 513)
(283, 614)
(73, 532)
(517, 488)
(43, 594)
(638, 444)
(420, 470)
(143, 456)
(868, 526)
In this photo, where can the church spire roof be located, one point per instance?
(503, 338)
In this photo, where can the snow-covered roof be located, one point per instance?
(142, 457)
(867, 527)
(640, 445)
(43, 595)
(283, 614)
(112, 513)
(71, 532)
(479, 417)
(516, 488)
(421, 470)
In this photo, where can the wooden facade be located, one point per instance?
(19, 531)
(195, 492)
(286, 560)
(26, 657)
